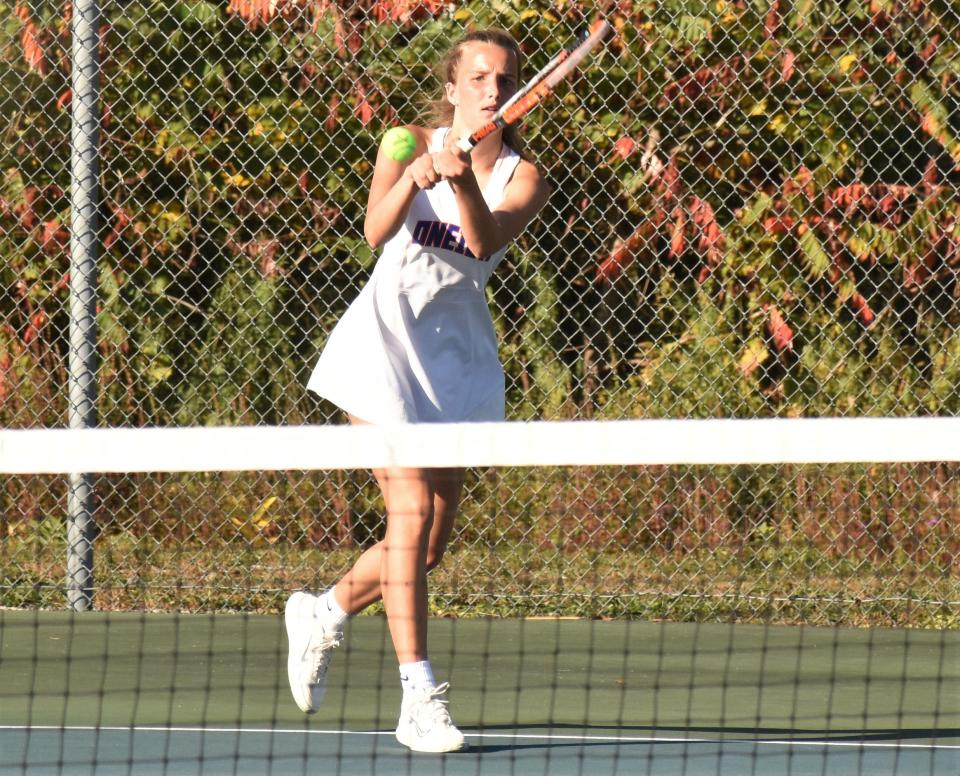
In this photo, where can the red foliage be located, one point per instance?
(122, 219)
(879, 202)
(787, 66)
(27, 211)
(54, 237)
(33, 40)
(61, 284)
(677, 237)
(624, 147)
(705, 82)
(779, 225)
(670, 180)
(779, 331)
(931, 177)
(772, 23)
(623, 254)
(931, 49)
(255, 12)
(333, 109)
(711, 242)
(861, 308)
(362, 108)
(347, 40)
(407, 10)
(693, 226)
(5, 363)
(37, 322)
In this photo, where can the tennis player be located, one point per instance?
(418, 346)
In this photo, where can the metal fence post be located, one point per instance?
(83, 286)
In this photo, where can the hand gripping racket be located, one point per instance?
(541, 85)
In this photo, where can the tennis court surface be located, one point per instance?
(140, 693)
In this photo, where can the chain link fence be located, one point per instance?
(755, 213)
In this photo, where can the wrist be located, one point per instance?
(407, 178)
(464, 183)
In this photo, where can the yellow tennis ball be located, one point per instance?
(399, 144)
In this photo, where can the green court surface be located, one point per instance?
(158, 693)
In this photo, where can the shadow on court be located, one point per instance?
(650, 733)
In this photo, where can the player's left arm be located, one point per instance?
(485, 231)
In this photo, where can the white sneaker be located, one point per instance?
(425, 724)
(310, 649)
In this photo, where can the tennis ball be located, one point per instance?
(399, 144)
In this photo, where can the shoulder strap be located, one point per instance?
(437, 139)
(503, 171)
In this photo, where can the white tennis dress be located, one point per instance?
(417, 345)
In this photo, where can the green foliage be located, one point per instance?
(236, 158)
(820, 140)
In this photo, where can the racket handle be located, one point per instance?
(465, 144)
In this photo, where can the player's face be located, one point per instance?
(486, 79)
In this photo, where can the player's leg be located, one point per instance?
(403, 559)
(424, 723)
(360, 587)
(421, 508)
(447, 486)
(315, 623)
(421, 511)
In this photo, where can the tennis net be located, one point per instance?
(757, 596)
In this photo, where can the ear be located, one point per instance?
(451, 91)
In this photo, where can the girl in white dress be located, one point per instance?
(418, 346)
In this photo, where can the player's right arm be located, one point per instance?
(393, 188)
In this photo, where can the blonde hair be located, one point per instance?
(439, 111)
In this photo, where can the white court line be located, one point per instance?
(511, 736)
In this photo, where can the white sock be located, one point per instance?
(329, 612)
(414, 675)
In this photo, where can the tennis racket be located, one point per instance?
(541, 85)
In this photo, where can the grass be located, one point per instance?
(512, 580)
(860, 545)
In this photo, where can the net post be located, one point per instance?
(84, 201)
